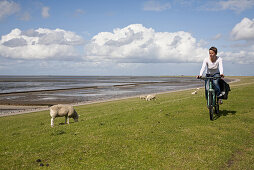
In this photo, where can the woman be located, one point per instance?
(213, 65)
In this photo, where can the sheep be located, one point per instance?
(195, 92)
(142, 97)
(150, 97)
(63, 110)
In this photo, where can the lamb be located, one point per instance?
(63, 110)
(150, 97)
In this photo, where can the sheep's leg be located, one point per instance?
(68, 120)
(65, 119)
(52, 122)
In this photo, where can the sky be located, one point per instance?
(124, 37)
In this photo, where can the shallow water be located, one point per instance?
(45, 90)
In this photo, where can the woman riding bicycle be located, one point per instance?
(213, 65)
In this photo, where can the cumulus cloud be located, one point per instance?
(243, 30)
(15, 42)
(240, 57)
(138, 44)
(132, 44)
(155, 5)
(39, 44)
(45, 12)
(8, 8)
(243, 34)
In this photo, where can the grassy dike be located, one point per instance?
(173, 132)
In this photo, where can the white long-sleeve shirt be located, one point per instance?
(212, 67)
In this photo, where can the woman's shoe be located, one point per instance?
(220, 101)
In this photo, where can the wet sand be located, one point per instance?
(26, 102)
(8, 110)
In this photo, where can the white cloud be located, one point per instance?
(8, 8)
(243, 30)
(138, 44)
(240, 57)
(39, 44)
(243, 51)
(132, 44)
(236, 5)
(155, 5)
(45, 12)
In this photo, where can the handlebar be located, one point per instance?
(206, 78)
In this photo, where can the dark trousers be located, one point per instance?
(215, 84)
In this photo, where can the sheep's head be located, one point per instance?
(75, 117)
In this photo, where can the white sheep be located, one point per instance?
(150, 97)
(142, 97)
(195, 92)
(63, 110)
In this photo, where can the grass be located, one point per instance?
(173, 132)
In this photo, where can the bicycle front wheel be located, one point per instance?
(217, 108)
(210, 105)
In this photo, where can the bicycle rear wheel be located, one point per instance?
(210, 105)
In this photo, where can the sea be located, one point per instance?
(48, 90)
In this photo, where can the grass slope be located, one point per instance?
(173, 132)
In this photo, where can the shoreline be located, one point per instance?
(23, 109)
(47, 91)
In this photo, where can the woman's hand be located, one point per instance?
(198, 77)
(222, 75)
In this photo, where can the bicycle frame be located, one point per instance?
(211, 89)
(212, 101)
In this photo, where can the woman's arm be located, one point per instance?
(203, 68)
(221, 68)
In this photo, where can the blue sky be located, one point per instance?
(124, 37)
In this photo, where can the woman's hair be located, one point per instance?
(214, 49)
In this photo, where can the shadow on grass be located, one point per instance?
(58, 132)
(65, 123)
(224, 113)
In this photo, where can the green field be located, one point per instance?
(172, 132)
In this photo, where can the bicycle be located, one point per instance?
(212, 99)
